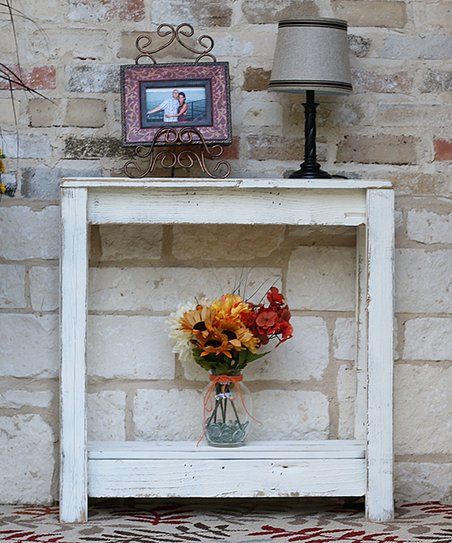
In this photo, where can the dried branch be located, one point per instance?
(14, 81)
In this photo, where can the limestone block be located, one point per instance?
(428, 338)
(12, 286)
(432, 46)
(422, 482)
(322, 278)
(344, 339)
(290, 414)
(43, 182)
(27, 459)
(429, 227)
(423, 281)
(203, 13)
(95, 78)
(359, 45)
(100, 11)
(422, 409)
(30, 146)
(264, 147)
(268, 11)
(378, 149)
(74, 43)
(106, 415)
(371, 12)
(174, 414)
(303, 357)
(429, 15)
(256, 79)
(93, 147)
(43, 113)
(231, 242)
(383, 81)
(44, 288)
(346, 396)
(132, 241)
(436, 81)
(85, 112)
(129, 347)
(18, 398)
(29, 345)
(29, 234)
(164, 289)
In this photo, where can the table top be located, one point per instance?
(241, 183)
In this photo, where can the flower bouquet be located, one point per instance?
(5, 188)
(224, 336)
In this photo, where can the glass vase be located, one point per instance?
(227, 411)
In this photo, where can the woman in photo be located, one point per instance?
(183, 108)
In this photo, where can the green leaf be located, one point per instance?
(202, 361)
(224, 365)
(245, 357)
(255, 356)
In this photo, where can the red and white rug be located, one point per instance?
(238, 521)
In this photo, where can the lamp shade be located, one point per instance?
(311, 54)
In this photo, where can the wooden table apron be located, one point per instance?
(362, 466)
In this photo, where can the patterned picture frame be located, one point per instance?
(138, 128)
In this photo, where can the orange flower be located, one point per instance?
(197, 321)
(238, 335)
(247, 339)
(215, 343)
(229, 307)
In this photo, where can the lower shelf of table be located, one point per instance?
(258, 469)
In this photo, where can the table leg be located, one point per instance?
(73, 312)
(380, 312)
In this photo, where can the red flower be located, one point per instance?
(286, 331)
(271, 321)
(266, 319)
(274, 296)
(285, 314)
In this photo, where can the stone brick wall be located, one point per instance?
(395, 126)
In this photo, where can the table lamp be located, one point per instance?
(311, 56)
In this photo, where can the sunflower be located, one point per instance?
(215, 343)
(238, 335)
(248, 339)
(229, 307)
(198, 321)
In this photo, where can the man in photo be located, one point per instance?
(170, 108)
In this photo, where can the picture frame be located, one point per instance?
(176, 96)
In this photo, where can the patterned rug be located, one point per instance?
(238, 521)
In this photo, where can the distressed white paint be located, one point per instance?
(235, 478)
(329, 468)
(361, 334)
(176, 205)
(74, 279)
(189, 450)
(199, 182)
(380, 308)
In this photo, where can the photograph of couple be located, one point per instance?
(183, 105)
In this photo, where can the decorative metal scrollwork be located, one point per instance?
(147, 158)
(144, 43)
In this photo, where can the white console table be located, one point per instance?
(359, 467)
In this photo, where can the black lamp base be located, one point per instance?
(308, 172)
(310, 169)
